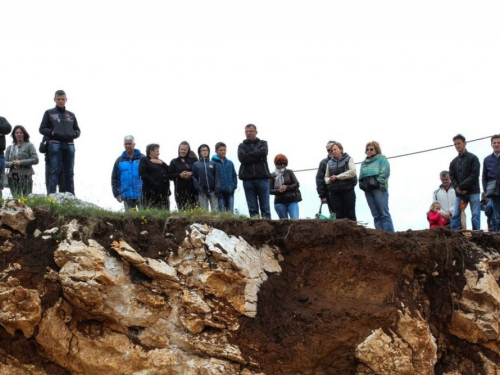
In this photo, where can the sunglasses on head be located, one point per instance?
(370, 149)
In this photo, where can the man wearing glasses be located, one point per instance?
(254, 172)
(321, 187)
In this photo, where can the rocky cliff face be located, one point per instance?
(81, 296)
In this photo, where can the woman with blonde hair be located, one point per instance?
(373, 180)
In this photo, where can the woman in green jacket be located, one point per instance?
(373, 180)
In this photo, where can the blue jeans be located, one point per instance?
(495, 204)
(226, 202)
(2, 172)
(378, 201)
(62, 155)
(287, 210)
(475, 208)
(257, 194)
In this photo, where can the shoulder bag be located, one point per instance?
(492, 189)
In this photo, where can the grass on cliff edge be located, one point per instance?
(71, 208)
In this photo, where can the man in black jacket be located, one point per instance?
(464, 174)
(254, 172)
(5, 129)
(321, 187)
(61, 126)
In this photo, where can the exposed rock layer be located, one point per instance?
(253, 297)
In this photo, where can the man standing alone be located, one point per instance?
(125, 180)
(5, 129)
(491, 172)
(254, 172)
(464, 174)
(62, 129)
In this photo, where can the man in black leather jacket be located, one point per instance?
(254, 172)
(464, 174)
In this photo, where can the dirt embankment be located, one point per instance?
(339, 283)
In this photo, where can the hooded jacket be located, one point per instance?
(205, 177)
(227, 175)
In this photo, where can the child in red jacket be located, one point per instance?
(434, 216)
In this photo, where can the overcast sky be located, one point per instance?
(408, 74)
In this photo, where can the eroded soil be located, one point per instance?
(339, 282)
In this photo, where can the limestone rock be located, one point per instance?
(235, 269)
(476, 319)
(20, 308)
(151, 267)
(6, 246)
(11, 366)
(129, 328)
(16, 215)
(410, 349)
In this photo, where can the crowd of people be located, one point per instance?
(140, 180)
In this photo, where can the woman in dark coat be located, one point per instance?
(180, 171)
(285, 187)
(155, 182)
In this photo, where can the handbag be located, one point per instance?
(320, 215)
(298, 195)
(492, 189)
(369, 183)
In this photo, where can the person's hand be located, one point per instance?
(119, 198)
(446, 215)
(16, 163)
(323, 200)
(186, 175)
(333, 178)
(282, 188)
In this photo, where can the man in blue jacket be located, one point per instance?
(125, 180)
(61, 126)
(491, 172)
(227, 177)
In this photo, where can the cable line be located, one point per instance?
(402, 155)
